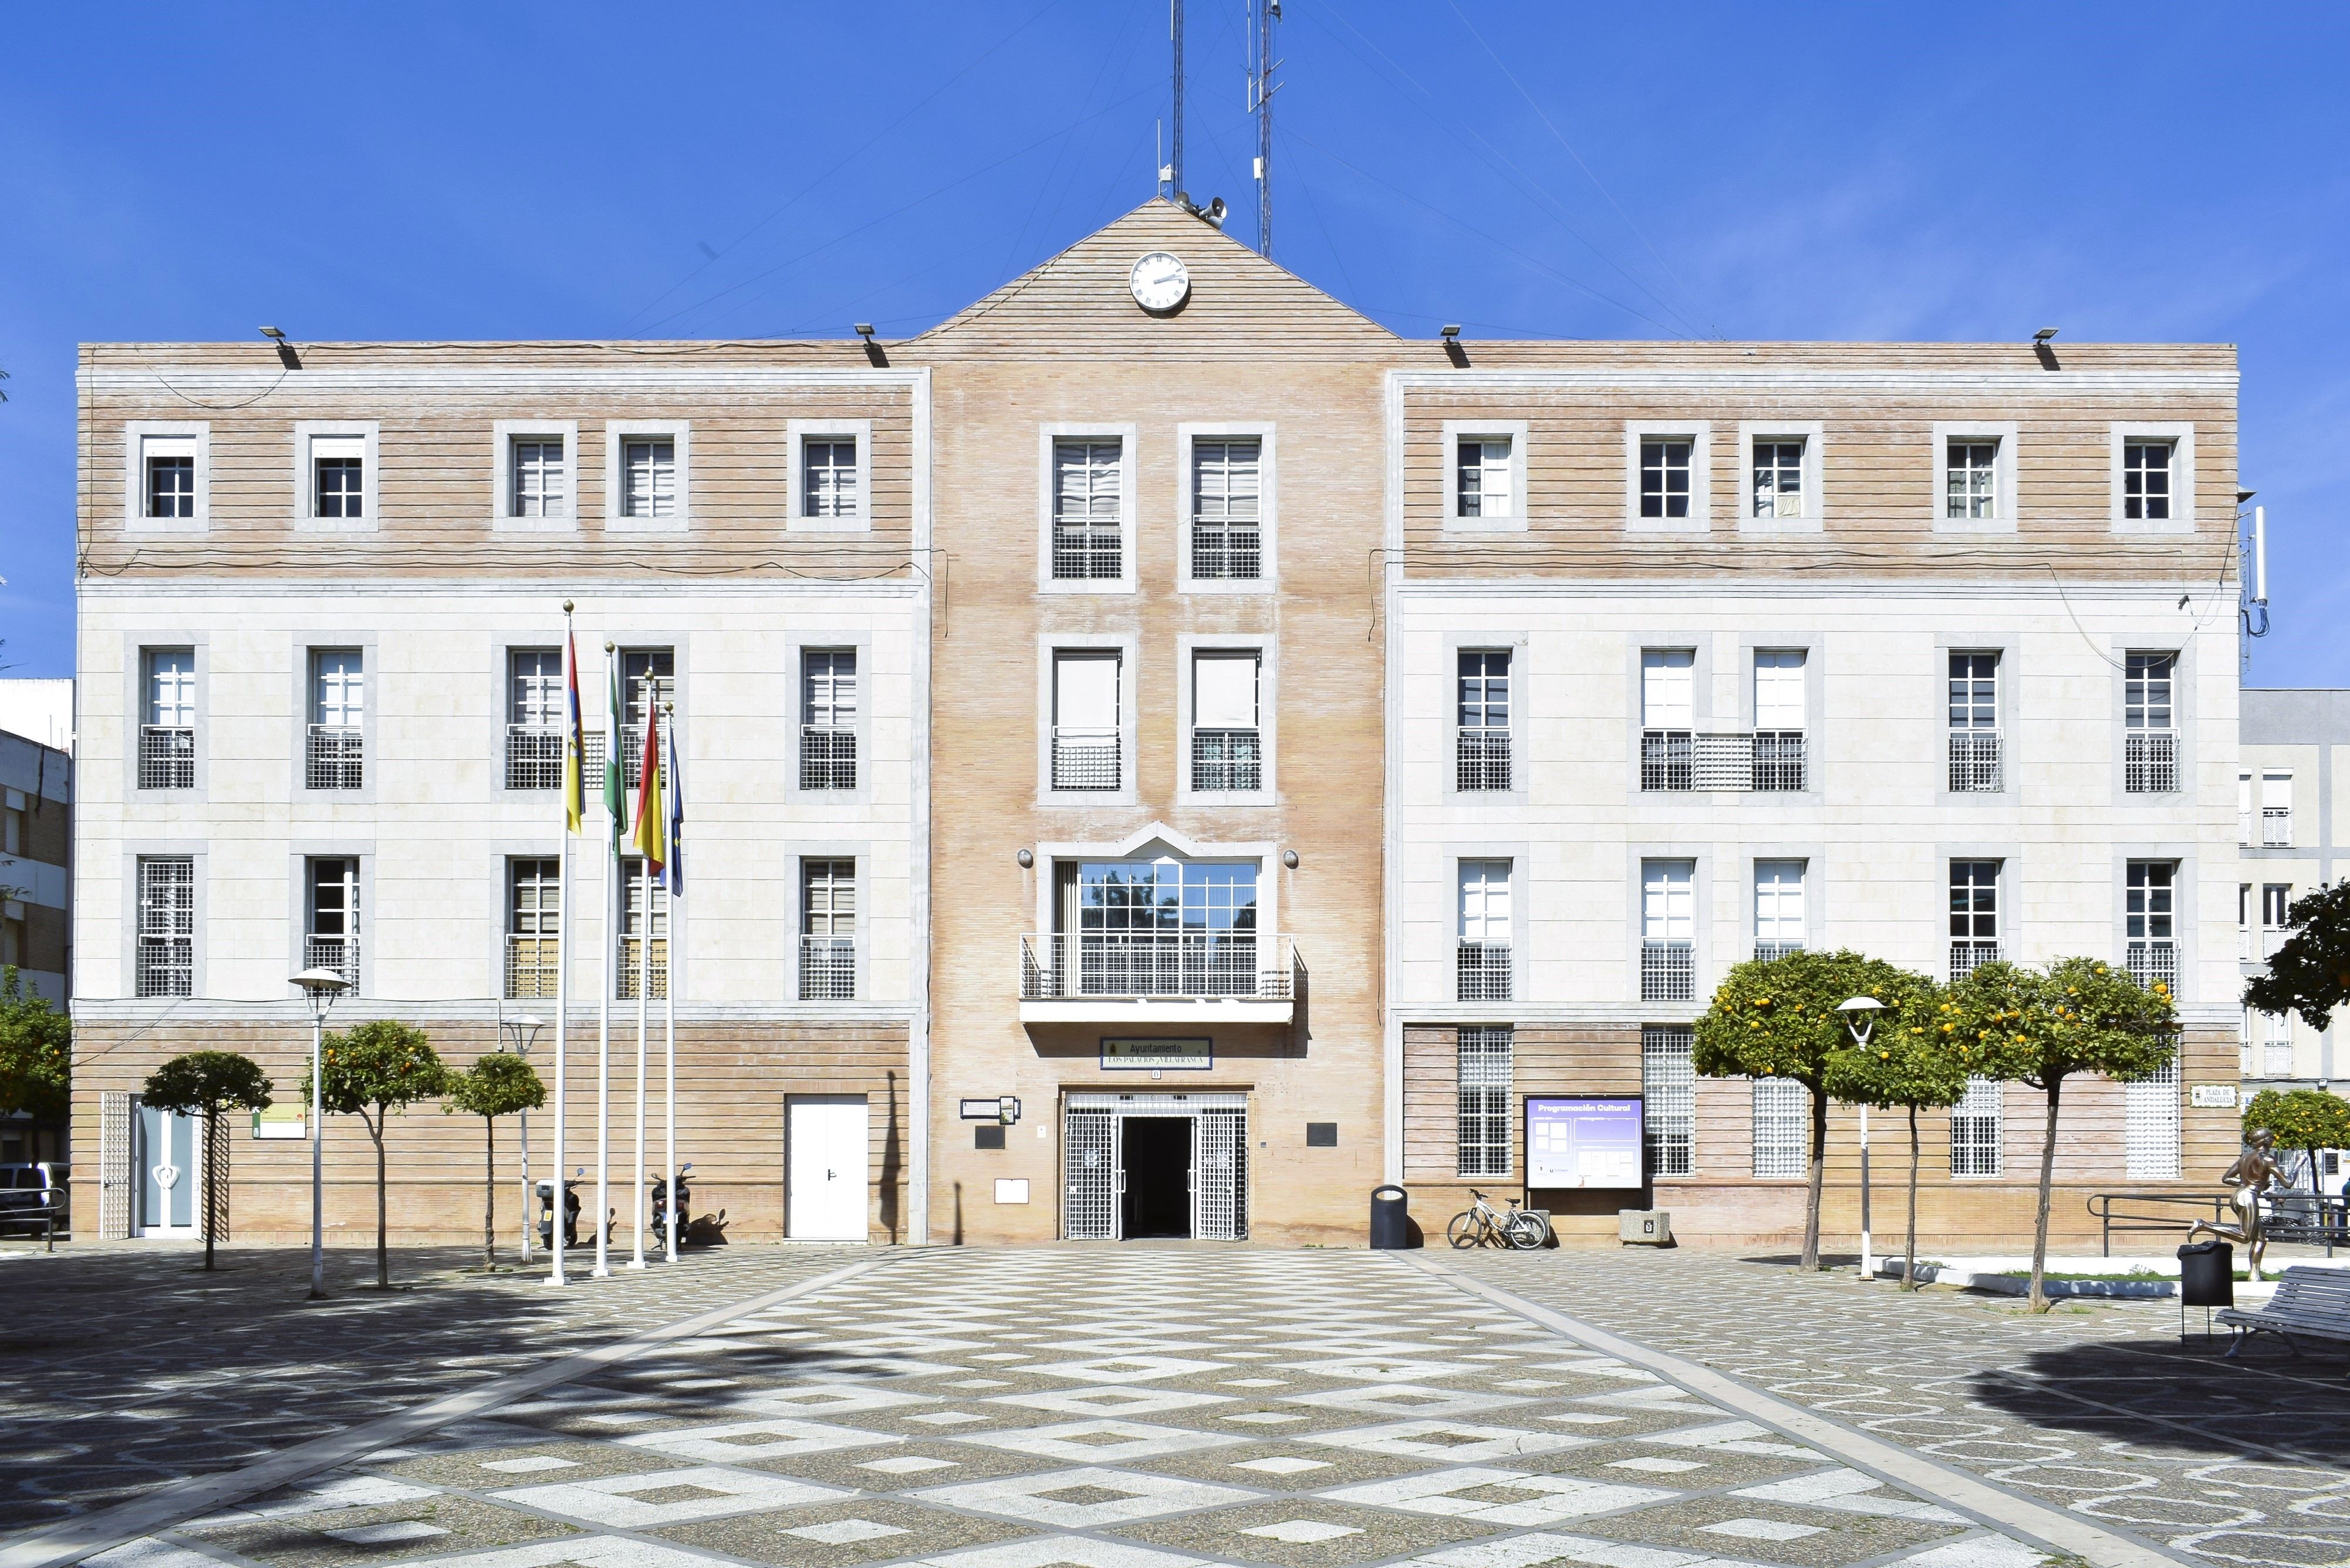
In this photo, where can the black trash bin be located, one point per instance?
(2207, 1274)
(1390, 1219)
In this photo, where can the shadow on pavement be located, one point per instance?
(2183, 1395)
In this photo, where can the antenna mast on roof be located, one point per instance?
(1261, 92)
(1173, 173)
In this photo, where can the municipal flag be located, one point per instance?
(575, 740)
(652, 834)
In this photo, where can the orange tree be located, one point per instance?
(1776, 1018)
(496, 1085)
(209, 1084)
(378, 1068)
(1907, 1064)
(2307, 1119)
(2310, 971)
(2042, 1026)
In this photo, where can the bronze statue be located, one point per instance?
(2250, 1176)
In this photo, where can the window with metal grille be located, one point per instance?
(829, 477)
(649, 477)
(641, 961)
(538, 486)
(2150, 1125)
(336, 755)
(1483, 965)
(1669, 1099)
(333, 940)
(1481, 478)
(166, 960)
(2150, 728)
(1227, 540)
(635, 664)
(1227, 755)
(2149, 915)
(1484, 1067)
(534, 910)
(1978, 1130)
(1782, 1116)
(338, 476)
(1974, 723)
(169, 481)
(535, 717)
(1087, 747)
(1780, 707)
(1974, 916)
(1970, 474)
(2276, 909)
(1086, 510)
(1667, 931)
(1481, 744)
(2145, 480)
(1665, 477)
(167, 731)
(1779, 928)
(827, 930)
(1668, 710)
(827, 718)
(1778, 478)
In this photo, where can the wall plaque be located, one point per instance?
(1184, 1056)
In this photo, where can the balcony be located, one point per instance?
(1481, 760)
(2152, 963)
(2276, 827)
(828, 757)
(533, 757)
(167, 757)
(1760, 761)
(1483, 971)
(1966, 957)
(1085, 759)
(1668, 971)
(634, 967)
(1765, 951)
(340, 954)
(1226, 760)
(530, 967)
(335, 757)
(1158, 977)
(1975, 762)
(828, 968)
(2150, 762)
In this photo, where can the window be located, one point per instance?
(1971, 479)
(1779, 478)
(338, 476)
(167, 730)
(535, 718)
(1481, 743)
(2150, 1125)
(333, 940)
(827, 930)
(336, 755)
(2276, 811)
(1669, 1099)
(1779, 713)
(2277, 905)
(1668, 703)
(828, 717)
(1087, 744)
(2245, 952)
(1226, 739)
(1778, 908)
(1974, 723)
(1226, 497)
(1665, 477)
(168, 476)
(1974, 916)
(534, 913)
(1976, 1130)
(165, 961)
(638, 666)
(1782, 1109)
(2150, 737)
(2145, 480)
(643, 961)
(649, 477)
(1087, 510)
(1484, 1072)
(537, 482)
(2276, 1044)
(2148, 915)
(828, 478)
(1483, 967)
(1481, 476)
(1667, 931)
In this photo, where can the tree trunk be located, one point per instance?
(489, 1194)
(212, 1186)
(1819, 1177)
(1909, 1258)
(2040, 1224)
(382, 1251)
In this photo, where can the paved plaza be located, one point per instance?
(1147, 1408)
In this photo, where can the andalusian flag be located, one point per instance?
(651, 836)
(574, 739)
(612, 711)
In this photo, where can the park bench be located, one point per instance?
(2308, 1300)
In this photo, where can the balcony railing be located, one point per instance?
(336, 757)
(1764, 951)
(166, 966)
(2276, 827)
(2152, 963)
(1085, 759)
(530, 966)
(167, 757)
(1483, 973)
(828, 757)
(1760, 760)
(1481, 760)
(340, 954)
(633, 963)
(1228, 761)
(1966, 956)
(1975, 762)
(534, 757)
(2150, 762)
(1242, 965)
(828, 968)
(1668, 971)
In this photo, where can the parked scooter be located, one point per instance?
(662, 1208)
(570, 1213)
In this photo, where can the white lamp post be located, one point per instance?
(524, 1033)
(1860, 1019)
(320, 988)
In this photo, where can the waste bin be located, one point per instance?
(2207, 1274)
(1390, 1219)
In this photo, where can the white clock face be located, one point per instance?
(1160, 282)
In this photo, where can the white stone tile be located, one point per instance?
(844, 1532)
(1761, 1528)
(1540, 1548)
(1976, 1552)
(826, 1399)
(1405, 1399)
(1265, 1418)
(610, 1501)
(1281, 1465)
(907, 1465)
(1547, 1499)
(947, 1418)
(1455, 1440)
(1110, 1399)
(147, 1552)
(318, 1497)
(1138, 1496)
(1850, 1492)
(1102, 1441)
(386, 1534)
(1302, 1532)
(529, 1464)
(1060, 1551)
(1657, 1465)
(1128, 1368)
(589, 1550)
(730, 1441)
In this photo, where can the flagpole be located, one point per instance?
(669, 992)
(612, 895)
(645, 791)
(562, 952)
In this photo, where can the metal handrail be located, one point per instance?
(1241, 965)
(2207, 1205)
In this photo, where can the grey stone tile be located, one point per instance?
(1303, 1532)
(864, 1530)
(434, 1526)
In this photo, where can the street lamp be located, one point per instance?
(320, 987)
(523, 1033)
(1860, 1019)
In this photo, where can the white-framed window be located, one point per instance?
(1978, 1130)
(828, 717)
(1667, 931)
(1783, 478)
(641, 959)
(1779, 915)
(2153, 478)
(2276, 909)
(1485, 475)
(1665, 476)
(1227, 735)
(1481, 749)
(165, 955)
(536, 485)
(1484, 1070)
(1089, 510)
(1668, 482)
(1780, 716)
(2276, 809)
(1667, 718)
(167, 723)
(1974, 916)
(2275, 1059)
(1782, 1118)
(1087, 741)
(1227, 496)
(1974, 478)
(535, 708)
(2150, 1125)
(541, 483)
(646, 473)
(832, 475)
(332, 940)
(336, 755)
(1977, 766)
(827, 929)
(638, 664)
(534, 915)
(1668, 1098)
(1778, 475)
(2149, 722)
(2145, 480)
(1483, 967)
(2150, 916)
(167, 476)
(338, 476)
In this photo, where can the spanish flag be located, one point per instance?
(575, 742)
(652, 834)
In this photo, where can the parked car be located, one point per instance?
(30, 1194)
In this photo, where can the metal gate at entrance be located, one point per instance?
(1116, 1175)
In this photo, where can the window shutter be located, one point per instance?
(1085, 690)
(1224, 691)
(1494, 481)
(1486, 902)
(338, 446)
(1779, 688)
(1667, 688)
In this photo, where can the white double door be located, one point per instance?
(164, 1152)
(824, 1168)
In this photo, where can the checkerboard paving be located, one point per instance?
(1103, 1408)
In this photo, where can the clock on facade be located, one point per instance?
(1160, 282)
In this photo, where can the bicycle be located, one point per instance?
(1482, 1225)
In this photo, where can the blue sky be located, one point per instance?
(535, 171)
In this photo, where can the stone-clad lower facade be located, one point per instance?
(1147, 774)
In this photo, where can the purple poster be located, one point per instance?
(1583, 1142)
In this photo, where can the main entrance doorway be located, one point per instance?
(824, 1168)
(1143, 1166)
(164, 1155)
